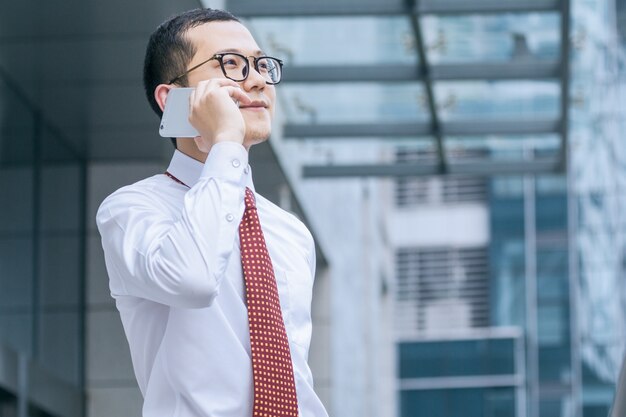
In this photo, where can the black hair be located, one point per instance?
(169, 51)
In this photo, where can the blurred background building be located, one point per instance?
(461, 164)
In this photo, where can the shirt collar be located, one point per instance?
(188, 170)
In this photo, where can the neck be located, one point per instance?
(189, 148)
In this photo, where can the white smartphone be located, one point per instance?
(175, 120)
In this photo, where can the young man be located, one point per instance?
(216, 308)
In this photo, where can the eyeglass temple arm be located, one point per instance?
(191, 69)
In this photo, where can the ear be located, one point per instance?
(160, 94)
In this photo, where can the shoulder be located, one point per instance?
(145, 193)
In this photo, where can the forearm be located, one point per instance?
(180, 260)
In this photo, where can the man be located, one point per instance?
(215, 326)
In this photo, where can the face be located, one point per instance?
(216, 37)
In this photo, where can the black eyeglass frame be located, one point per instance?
(219, 58)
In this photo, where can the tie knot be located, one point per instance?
(249, 199)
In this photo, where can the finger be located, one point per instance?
(224, 82)
(207, 87)
(199, 91)
(237, 94)
(201, 144)
(217, 82)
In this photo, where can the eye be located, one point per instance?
(230, 61)
(267, 65)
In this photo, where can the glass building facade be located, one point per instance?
(556, 243)
(551, 294)
(598, 200)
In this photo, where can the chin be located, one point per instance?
(257, 134)
(255, 139)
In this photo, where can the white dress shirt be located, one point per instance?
(172, 254)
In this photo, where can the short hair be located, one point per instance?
(169, 51)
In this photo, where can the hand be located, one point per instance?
(215, 113)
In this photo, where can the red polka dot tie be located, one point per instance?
(272, 369)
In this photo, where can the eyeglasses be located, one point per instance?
(236, 67)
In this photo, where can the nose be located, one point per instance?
(254, 79)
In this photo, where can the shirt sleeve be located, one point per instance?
(312, 259)
(176, 261)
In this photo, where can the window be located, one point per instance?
(441, 288)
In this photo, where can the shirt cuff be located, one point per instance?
(226, 161)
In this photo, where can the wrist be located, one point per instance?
(226, 160)
(236, 137)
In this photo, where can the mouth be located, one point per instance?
(255, 105)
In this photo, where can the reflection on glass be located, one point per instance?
(501, 147)
(493, 100)
(330, 150)
(332, 40)
(507, 251)
(353, 103)
(457, 358)
(458, 402)
(492, 37)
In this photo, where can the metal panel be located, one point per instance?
(530, 294)
(356, 130)
(443, 7)
(35, 387)
(572, 220)
(502, 127)
(503, 332)
(352, 73)
(49, 394)
(527, 70)
(8, 370)
(435, 122)
(457, 382)
(451, 276)
(479, 168)
(410, 192)
(565, 77)
(533, 70)
(415, 129)
(290, 8)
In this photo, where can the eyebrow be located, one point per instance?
(258, 52)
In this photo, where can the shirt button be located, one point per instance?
(230, 217)
(236, 163)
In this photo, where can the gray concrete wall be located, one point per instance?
(111, 386)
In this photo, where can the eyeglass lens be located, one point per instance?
(236, 67)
